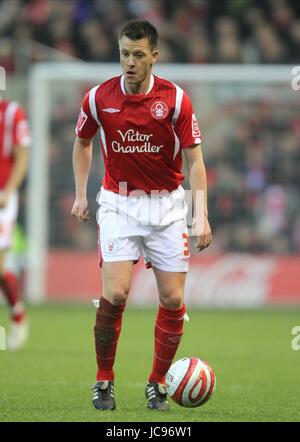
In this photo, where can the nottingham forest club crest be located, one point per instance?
(111, 246)
(159, 110)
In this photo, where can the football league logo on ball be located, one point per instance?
(159, 110)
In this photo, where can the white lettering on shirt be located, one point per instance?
(135, 136)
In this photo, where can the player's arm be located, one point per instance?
(82, 159)
(189, 134)
(198, 183)
(86, 129)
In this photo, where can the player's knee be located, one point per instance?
(172, 300)
(118, 295)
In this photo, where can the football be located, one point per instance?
(190, 382)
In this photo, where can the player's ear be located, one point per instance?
(154, 56)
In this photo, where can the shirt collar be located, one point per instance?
(151, 83)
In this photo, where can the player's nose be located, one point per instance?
(130, 61)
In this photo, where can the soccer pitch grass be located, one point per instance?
(258, 373)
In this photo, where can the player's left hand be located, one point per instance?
(4, 197)
(204, 240)
(80, 210)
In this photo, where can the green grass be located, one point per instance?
(258, 373)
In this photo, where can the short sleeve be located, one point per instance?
(86, 126)
(186, 126)
(21, 130)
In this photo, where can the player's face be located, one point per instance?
(136, 58)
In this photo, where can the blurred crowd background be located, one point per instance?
(253, 164)
(191, 31)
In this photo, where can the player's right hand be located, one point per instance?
(80, 210)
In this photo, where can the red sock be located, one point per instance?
(9, 286)
(168, 332)
(107, 331)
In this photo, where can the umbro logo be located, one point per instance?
(111, 110)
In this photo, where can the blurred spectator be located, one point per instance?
(271, 48)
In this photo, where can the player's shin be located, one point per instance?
(10, 289)
(168, 332)
(107, 331)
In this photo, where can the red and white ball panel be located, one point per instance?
(190, 382)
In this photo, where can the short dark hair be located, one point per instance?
(136, 29)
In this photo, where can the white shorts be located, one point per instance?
(154, 227)
(8, 216)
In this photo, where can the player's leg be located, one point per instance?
(167, 251)
(168, 331)
(9, 283)
(117, 253)
(116, 278)
(169, 321)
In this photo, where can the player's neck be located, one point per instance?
(138, 88)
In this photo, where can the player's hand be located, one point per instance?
(80, 210)
(4, 197)
(204, 240)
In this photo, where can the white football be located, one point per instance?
(190, 382)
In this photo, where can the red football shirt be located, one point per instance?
(14, 130)
(142, 136)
